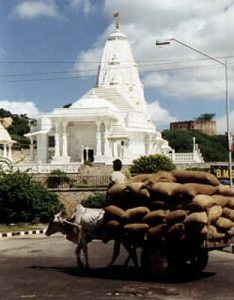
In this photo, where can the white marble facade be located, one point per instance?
(110, 121)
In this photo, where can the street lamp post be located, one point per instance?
(224, 63)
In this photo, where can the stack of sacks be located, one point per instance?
(171, 206)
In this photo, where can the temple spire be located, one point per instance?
(117, 21)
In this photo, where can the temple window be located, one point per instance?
(51, 141)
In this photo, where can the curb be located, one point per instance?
(27, 232)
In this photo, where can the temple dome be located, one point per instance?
(117, 36)
(93, 102)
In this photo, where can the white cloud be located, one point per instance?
(85, 5)
(222, 123)
(27, 107)
(92, 55)
(160, 115)
(29, 10)
(75, 3)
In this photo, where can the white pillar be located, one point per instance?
(98, 140)
(82, 154)
(31, 155)
(57, 140)
(87, 153)
(4, 150)
(64, 152)
(194, 149)
(9, 151)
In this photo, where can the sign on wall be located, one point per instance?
(221, 171)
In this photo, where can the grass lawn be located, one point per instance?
(21, 227)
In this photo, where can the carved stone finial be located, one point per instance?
(117, 21)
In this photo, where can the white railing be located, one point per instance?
(191, 157)
(48, 168)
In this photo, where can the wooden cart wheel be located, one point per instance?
(154, 261)
(197, 261)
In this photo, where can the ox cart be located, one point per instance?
(176, 218)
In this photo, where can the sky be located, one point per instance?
(50, 51)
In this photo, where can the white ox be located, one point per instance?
(86, 226)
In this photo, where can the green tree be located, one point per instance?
(213, 148)
(151, 164)
(205, 117)
(23, 200)
(20, 126)
(96, 200)
(56, 178)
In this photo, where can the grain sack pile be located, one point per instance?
(171, 206)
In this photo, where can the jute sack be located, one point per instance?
(230, 232)
(116, 189)
(225, 190)
(154, 217)
(138, 189)
(223, 223)
(158, 204)
(213, 234)
(139, 178)
(114, 211)
(228, 213)
(176, 231)
(113, 224)
(161, 176)
(176, 216)
(136, 213)
(112, 229)
(197, 217)
(179, 203)
(231, 203)
(164, 189)
(136, 227)
(156, 232)
(183, 176)
(192, 189)
(214, 213)
(201, 202)
(221, 200)
(204, 232)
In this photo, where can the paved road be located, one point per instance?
(44, 268)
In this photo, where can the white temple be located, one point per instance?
(110, 121)
(6, 143)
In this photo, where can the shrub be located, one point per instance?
(22, 200)
(97, 200)
(57, 178)
(152, 164)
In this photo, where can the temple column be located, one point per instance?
(64, 149)
(31, 150)
(106, 142)
(9, 151)
(98, 140)
(4, 150)
(57, 140)
(82, 154)
(115, 148)
(87, 153)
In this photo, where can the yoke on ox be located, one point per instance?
(86, 226)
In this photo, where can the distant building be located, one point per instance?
(204, 126)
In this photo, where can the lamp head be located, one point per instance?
(162, 42)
